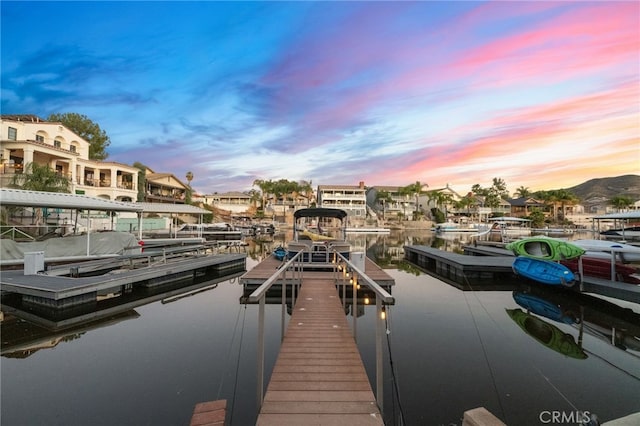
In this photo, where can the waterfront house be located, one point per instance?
(234, 202)
(164, 188)
(350, 198)
(523, 206)
(394, 205)
(28, 138)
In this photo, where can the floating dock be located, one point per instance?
(490, 268)
(65, 287)
(462, 271)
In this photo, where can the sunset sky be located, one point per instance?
(541, 94)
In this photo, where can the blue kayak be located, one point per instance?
(543, 271)
(279, 253)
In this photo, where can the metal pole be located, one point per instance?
(283, 303)
(354, 307)
(379, 378)
(260, 352)
(581, 272)
(613, 265)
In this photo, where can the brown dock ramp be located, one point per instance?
(319, 377)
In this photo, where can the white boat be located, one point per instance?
(221, 231)
(603, 249)
(511, 226)
(553, 231)
(459, 227)
(367, 230)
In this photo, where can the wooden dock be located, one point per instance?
(319, 377)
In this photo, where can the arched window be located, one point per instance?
(41, 136)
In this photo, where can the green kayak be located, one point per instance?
(545, 248)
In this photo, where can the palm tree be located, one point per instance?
(621, 202)
(415, 190)
(466, 202)
(441, 200)
(255, 196)
(266, 188)
(383, 197)
(566, 198)
(522, 192)
(306, 190)
(189, 177)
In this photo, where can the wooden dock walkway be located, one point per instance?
(319, 377)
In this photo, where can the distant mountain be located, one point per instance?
(596, 191)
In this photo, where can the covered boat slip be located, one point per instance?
(620, 221)
(39, 199)
(318, 377)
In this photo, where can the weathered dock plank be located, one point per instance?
(211, 413)
(319, 377)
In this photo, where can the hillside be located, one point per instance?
(599, 190)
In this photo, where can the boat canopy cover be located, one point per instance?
(320, 212)
(623, 215)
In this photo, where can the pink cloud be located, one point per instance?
(566, 132)
(572, 43)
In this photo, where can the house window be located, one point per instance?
(39, 138)
(72, 148)
(57, 144)
(13, 134)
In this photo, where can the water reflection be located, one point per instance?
(27, 328)
(384, 249)
(607, 321)
(453, 350)
(547, 334)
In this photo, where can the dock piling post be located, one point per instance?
(354, 306)
(379, 378)
(260, 352)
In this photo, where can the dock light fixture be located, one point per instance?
(383, 313)
(366, 300)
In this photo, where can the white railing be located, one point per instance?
(345, 274)
(259, 295)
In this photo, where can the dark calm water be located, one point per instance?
(522, 351)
